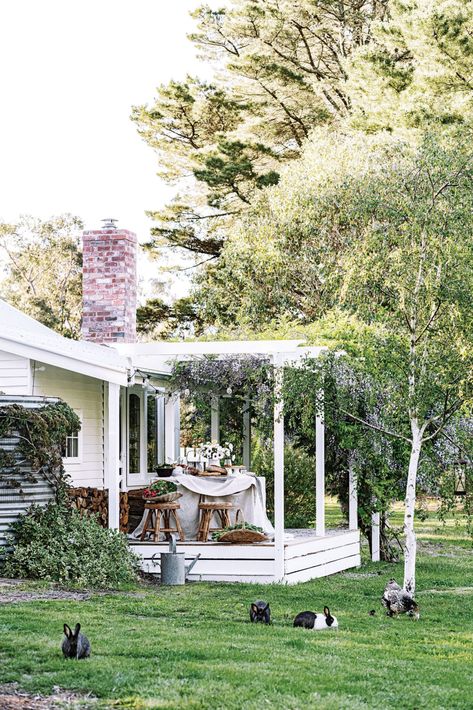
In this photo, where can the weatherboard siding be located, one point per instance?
(15, 374)
(85, 395)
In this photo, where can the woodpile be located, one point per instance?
(136, 507)
(95, 500)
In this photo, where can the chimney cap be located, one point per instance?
(109, 223)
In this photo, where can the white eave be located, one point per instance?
(25, 337)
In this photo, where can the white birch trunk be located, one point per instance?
(410, 536)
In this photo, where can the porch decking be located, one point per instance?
(306, 556)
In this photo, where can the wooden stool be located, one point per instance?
(166, 510)
(207, 511)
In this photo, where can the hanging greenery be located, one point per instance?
(41, 435)
(241, 377)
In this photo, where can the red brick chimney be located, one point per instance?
(109, 285)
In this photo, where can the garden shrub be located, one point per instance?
(299, 483)
(56, 543)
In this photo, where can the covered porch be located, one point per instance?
(292, 555)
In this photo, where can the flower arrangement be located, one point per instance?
(159, 488)
(213, 451)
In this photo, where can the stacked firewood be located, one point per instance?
(95, 500)
(136, 506)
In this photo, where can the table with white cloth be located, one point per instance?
(245, 491)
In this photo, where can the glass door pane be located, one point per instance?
(134, 442)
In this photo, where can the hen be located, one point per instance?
(397, 601)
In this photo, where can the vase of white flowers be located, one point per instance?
(212, 452)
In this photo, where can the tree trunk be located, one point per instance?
(411, 543)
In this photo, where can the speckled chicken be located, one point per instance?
(397, 601)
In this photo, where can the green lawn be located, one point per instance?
(194, 647)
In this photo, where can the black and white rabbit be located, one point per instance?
(316, 622)
(260, 612)
(75, 645)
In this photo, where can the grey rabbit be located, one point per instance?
(260, 611)
(75, 645)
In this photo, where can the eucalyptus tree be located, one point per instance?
(43, 270)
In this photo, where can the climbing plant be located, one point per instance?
(41, 434)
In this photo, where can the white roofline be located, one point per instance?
(216, 347)
(24, 336)
(108, 373)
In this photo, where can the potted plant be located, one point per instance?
(164, 470)
(213, 452)
(161, 492)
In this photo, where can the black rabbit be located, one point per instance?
(260, 611)
(75, 645)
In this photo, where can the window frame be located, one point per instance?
(72, 460)
(143, 476)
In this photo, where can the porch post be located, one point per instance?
(171, 428)
(375, 537)
(177, 427)
(215, 418)
(352, 498)
(320, 470)
(247, 434)
(278, 472)
(112, 452)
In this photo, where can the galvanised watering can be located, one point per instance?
(173, 565)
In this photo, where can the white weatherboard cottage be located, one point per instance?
(129, 427)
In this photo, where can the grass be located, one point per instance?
(193, 647)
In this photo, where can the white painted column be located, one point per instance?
(112, 452)
(320, 471)
(352, 498)
(160, 429)
(247, 434)
(177, 427)
(215, 418)
(375, 537)
(171, 428)
(278, 473)
(124, 437)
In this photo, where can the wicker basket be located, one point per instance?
(243, 537)
(164, 498)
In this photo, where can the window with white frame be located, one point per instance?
(145, 424)
(72, 447)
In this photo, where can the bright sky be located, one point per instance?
(71, 70)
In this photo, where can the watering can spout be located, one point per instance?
(189, 567)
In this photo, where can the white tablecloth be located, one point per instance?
(245, 492)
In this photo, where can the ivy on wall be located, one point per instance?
(41, 434)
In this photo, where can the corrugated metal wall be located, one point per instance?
(16, 500)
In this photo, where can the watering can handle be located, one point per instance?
(172, 543)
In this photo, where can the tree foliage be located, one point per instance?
(280, 70)
(416, 73)
(44, 270)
